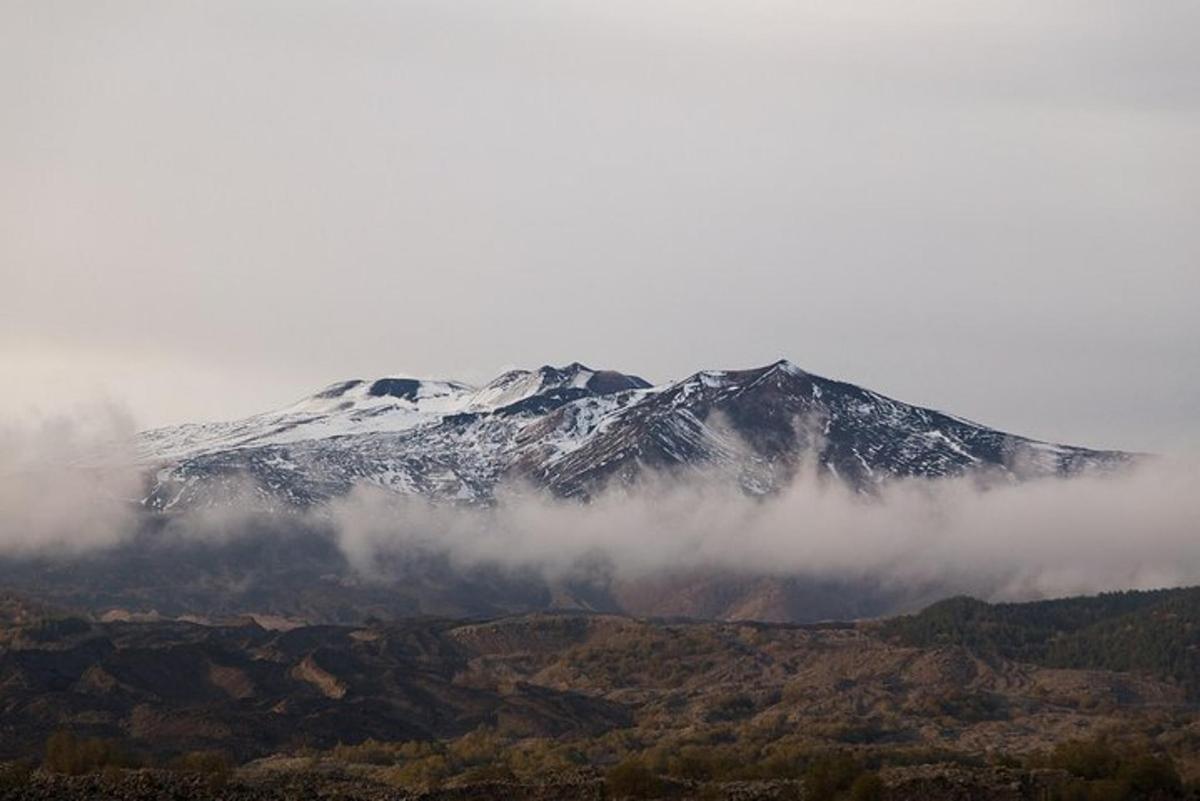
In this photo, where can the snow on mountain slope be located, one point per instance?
(571, 430)
(517, 385)
(391, 404)
(349, 407)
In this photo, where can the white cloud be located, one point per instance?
(1049, 537)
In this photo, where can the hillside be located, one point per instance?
(1156, 633)
(430, 700)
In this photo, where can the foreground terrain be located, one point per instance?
(1013, 700)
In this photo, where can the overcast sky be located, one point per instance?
(210, 209)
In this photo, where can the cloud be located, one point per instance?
(67, 486)
(1135, 529)
(67, 483)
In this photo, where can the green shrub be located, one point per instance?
(1087, 759)
(828, 776)
(14, 775)
(208, 763)
(1101, 772)
(483, 746)
(738, 706)
(1152, 777)
(368, 752)
(487, 773)
(867, 787)
(633, 779)
(702, 763)
(65, 753)
(424, 773)
(1108, 790)
(49, 629)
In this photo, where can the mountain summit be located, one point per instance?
(573, 429)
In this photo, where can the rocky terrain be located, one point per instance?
(595, 705)
(928, 783)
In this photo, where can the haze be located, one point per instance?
(211, 209)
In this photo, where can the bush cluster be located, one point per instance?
(14, 775)
(1102, 772)
(66, 753)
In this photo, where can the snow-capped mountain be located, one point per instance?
(571, 430)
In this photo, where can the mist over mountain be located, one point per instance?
(766, 493)
(597, 540)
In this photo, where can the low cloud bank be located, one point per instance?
(1136, 529)
(67, 482)
(66, 486)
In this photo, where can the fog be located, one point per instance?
(67, 483)
(1133, 529)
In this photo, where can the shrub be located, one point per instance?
(368, 752)
(425, 773)
(1152, 777)
(1087, 759)
(1102, 773)
(209, 763)
(14, 775)
(50, 629)
(483, 746)
(731, 707)
(783, 761)
(544, 756)
(867, 787)
(698, 763)
(487, 773)
(65, 753)
(828, 776)
(633, 779)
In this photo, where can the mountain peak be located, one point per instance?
(717, 378)
(786, 366)
(572, 428)
(572, 368)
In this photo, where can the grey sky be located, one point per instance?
(210, 209)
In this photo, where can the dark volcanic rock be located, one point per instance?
(250, 691)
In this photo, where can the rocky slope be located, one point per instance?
(172, 686)
(571, 430)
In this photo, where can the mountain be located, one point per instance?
(565, 431)
(571, 430)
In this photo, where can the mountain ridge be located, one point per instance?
(573, 430)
